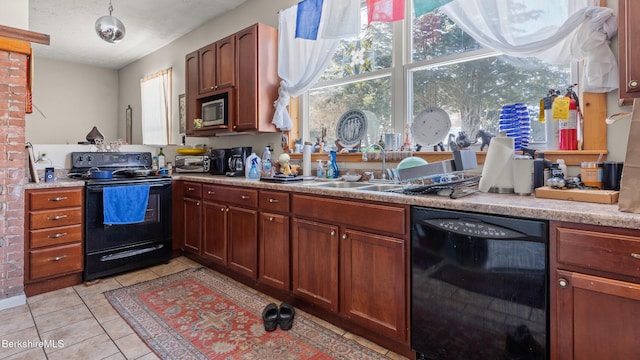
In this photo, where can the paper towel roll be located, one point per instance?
(306, 160)
(497, 172)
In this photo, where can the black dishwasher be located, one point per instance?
(479, 286)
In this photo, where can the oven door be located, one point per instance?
(111, 249)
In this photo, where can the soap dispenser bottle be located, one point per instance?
(320, 171)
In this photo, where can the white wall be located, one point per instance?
(15, 13)
(69, 100)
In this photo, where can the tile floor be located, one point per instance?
(83, 321)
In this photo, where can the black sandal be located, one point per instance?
(270, 317)
(285, 316)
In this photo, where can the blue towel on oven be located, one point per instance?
(125, 204)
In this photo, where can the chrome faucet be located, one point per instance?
(384, 159)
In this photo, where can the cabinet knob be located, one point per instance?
(191, 189)
(198, 203)
(221, 209)
(333, 232)
(270, 218)
(60, 198)
(227, 209)
(245, 197)
(56, 236)
(210, 192)
(344, 236)
(273, 200)
(58, 258)
(634, 84)
(635, 256)
(563, 283)
(57, 217)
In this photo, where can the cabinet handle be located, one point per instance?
(273, 200)
(210, 192)
(59, 198)
(344, 236)
(245, 197)
(57, 217)
(333, 232)
(221, 209)
(563, 283)
(635, 256)
(191, 189)
(633, 84)
(58, 258)
(58, 235)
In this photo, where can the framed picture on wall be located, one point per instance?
(181, 107)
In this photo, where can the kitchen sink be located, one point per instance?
(380, 187)
(342, 185)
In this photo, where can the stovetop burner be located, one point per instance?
(127, 167)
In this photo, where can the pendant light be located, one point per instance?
(110, 28)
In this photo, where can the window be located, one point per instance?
(444, 67)
(156, 108)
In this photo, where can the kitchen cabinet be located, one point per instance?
(217, 65)
(274, 240)
(231, 228)
(629, 50)
(595, 292)
(343, 251)
(257, 78)
(192, 217)
(53, 239)
(242, 65)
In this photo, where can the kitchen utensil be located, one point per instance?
(351, 177)
(420, 172)
(101, 174)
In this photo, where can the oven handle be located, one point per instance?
(99, 188)
(130, 253)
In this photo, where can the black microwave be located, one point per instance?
(215, 111)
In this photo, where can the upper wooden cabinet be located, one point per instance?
(243, 66)
(629, 49)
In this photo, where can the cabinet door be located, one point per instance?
(629, 48)
(274, 250)
(192, 88)
(242, 239)
(192, 210)
(315, 259)
(226, 62)
(247, 80)
(374, 264)
(595, 317)
(215, 232)
(207, 59)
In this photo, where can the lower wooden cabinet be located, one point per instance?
(595, 292)
(54, 247)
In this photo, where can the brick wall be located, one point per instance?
(12, 172)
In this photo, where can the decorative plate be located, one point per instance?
(352, 128)
(431, 126)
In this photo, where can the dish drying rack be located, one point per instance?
(458, 184)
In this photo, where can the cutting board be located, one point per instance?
(585, 195)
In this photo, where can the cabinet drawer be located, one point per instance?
(274, 201)
(377, 217)
(610, 252)
(236, 196)
(55, 236)
(44, 200)
(192, 190)
(55, 261)
(54, 218)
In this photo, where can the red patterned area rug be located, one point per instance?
(200, 314)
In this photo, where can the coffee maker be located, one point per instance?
(219, 161)
(237, 160)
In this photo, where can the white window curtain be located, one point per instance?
(526, 28)
(156, 107)
(300, 61)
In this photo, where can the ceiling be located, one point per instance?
(150, 25)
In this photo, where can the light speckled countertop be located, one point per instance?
(510, 205)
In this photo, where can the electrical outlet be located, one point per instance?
(42, 154)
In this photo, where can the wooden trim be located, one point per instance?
(15, 46)
(594, 130)
(24, 35)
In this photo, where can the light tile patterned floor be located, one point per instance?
(82, 318)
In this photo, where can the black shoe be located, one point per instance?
(270, 317)
(285, 316)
